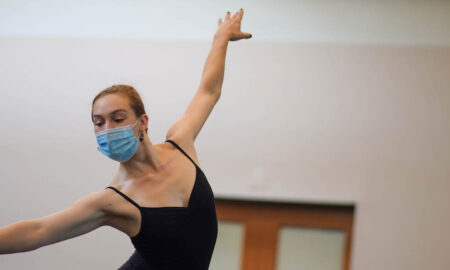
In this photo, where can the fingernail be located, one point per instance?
(250, 35)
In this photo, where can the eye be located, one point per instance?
(118, 120)
(98, 124)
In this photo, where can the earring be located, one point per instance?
(141, 136)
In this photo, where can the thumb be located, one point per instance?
(247, 35)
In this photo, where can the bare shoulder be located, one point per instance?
(106, 201)
(113, 204)
(96, 199)
(187, 145)
(101, 200)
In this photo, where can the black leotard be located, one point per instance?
(174, 238)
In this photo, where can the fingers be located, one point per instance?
(219, 22)
(235, 15)
(241, 13)
(238, 15)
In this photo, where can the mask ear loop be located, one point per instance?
(141, 134)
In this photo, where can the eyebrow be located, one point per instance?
(114, 112)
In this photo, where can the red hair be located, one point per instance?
(125, 90)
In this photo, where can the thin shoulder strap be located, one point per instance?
(125, 196)
(179, 148)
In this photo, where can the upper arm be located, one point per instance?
(192, 121)
(85, 215)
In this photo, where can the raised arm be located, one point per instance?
(189, 125)
(83, 216)
(214, 69)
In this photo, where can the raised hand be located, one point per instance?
(231, 26)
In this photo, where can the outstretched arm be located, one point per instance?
(189, 125)
(83, 216)
(214, 69)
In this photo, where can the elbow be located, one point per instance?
(211, 88)
(216, 92)
(32, 237)
(37, 237)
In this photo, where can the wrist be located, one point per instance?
(222, 35)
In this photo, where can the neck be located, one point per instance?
(146, 160)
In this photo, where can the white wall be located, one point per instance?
(305, 115)
(405, 22)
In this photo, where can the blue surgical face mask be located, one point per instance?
(119, 144)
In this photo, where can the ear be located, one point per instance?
(144, 123)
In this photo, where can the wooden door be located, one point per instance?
(262, 222)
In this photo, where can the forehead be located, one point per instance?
(109, 103)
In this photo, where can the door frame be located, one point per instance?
(262, 221)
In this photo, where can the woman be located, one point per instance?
(159, 197)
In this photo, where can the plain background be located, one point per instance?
(342, 102)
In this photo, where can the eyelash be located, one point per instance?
(115, 120)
